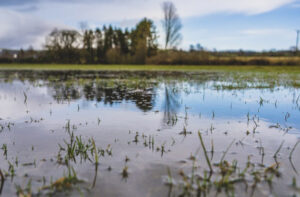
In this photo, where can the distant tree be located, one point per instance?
(21, 54)
(192, 48)
(88, 42)
(113, 56)
(108, 38)
(199, 47)
(99, 45)
(122, 41)
(83, 25)
(62, 45)
(143, 41)
(171, 25)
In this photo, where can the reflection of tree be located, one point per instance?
(170, 106)
(105, 86)
(143, 98)
(65, 92)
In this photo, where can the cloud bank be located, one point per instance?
(26, 22)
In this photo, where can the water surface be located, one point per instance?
(148, 123)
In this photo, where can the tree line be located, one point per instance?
(139, 45)
(111, 45)
(107, 45)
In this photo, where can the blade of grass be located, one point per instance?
(224, 154)
(279, 148)
(293, 149)
(205, 153)
(2, 181)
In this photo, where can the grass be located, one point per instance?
(65, 182)
(278, 150)
(133, 76)
(2, 181)
(147, 67)
(293, 149)
(205, 152)
(225, 178)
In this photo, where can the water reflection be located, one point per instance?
(171, 105)
(150, 120)
(143, 98)
(170, 93)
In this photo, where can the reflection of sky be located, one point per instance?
(237, 104)
(204, 100)
(119, 118)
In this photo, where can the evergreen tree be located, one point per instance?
(99, 45)
(88, 42)
(143, 41)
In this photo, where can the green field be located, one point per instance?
(294, 69)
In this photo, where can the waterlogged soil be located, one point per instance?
(138, 133)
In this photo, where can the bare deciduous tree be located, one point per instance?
(171, 25)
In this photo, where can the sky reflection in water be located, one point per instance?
(161, 107)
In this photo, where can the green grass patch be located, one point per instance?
(284, 69)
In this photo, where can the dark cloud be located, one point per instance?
(28, 8)
(32, 2)
(16, 2)
(29, 38)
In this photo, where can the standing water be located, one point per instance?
(91, 133)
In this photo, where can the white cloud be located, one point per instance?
(265, 32)
(123, 10)
(22, 30)
(253, 39)
(203, 7)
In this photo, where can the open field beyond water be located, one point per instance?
(102, 130)
(147, 67)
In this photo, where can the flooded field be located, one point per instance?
(147, 133)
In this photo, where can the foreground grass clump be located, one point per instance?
(225, 177)
(63, 183)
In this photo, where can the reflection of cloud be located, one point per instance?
(12, 100)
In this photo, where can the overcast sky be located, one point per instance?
(220, 24)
